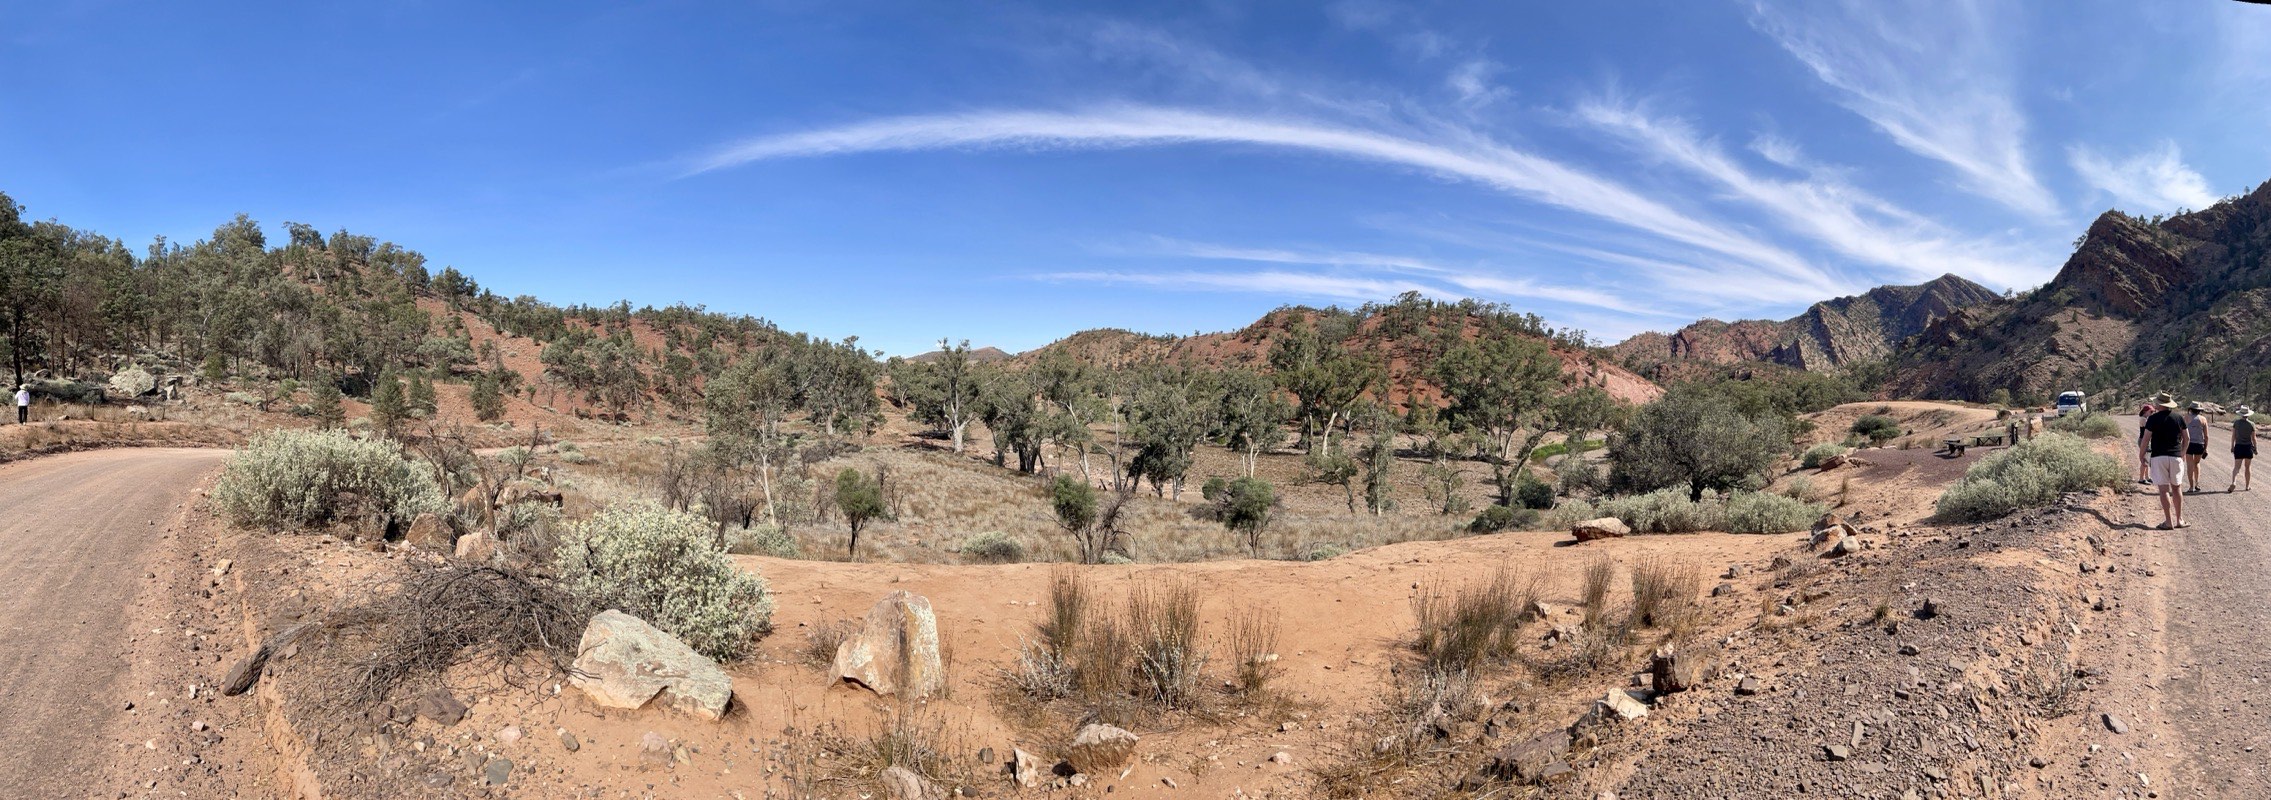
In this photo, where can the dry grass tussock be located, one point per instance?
(833, 761)
(1134, 662)
(1458, 628)
(26, 441)
(1664, 592)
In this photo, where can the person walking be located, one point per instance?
(23, 403)
(2195, 445)
(2160, 445)
(2243, 449)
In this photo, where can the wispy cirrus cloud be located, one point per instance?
(1459, 155)
(1849, 221)
(1270, 282)
(1935, 77)
(2152, 181)
(1444, 279)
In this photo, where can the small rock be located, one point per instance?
(568, 741)
(1932, 608)
(2113, 723)
(1723, 590)
(510, 734)
(654, 751)
(1280, 757)
(896, 651)
(985, 755)
(438, 705)
(1838, 752)
(901, 783)
(1167, 781)
(497, 771)
(1747, 686)
(1026, 769)
(1097, 749)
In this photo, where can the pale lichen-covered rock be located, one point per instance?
(1603, 528)
(133, 382)
(1098, 749)
(896, 651)
(623, 662)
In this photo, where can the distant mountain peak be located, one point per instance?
(1829, 336)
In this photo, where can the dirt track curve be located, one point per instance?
(75, 533)
(2217, 598)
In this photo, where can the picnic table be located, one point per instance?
(1955, 445)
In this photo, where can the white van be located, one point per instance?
(2071, 403)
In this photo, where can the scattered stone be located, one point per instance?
(1025, 769)
(1747, 687)
(654, 751)
(509, 735)
(896, 652)
(1845, 546)
(568, 741)
(2115, 724)
(1556, 772)
(1526, 762)
(1733, 572)
(1100, 748)
(221, 567)
(623, 662)
(1167, 781)
(901, 783)
(1723, 590)
(1672, 671)
(1932, 608)
(1838, 752)
(985, 755)
(497, 771)
(438, 705)
(1909, 650)
(1281, 757)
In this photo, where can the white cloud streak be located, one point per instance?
(1468, 280)
(1469, 158)
(1933, 76)
(1274, 282)
(2153, 181)
(1847, 220)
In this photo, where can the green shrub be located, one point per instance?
(1665, 511)
(1819, 453)
(1762, 512)
(762, 540)
(304, 478)
(1878, 428)
(2088, 426)
(1322, 551)
(993, 547)
(1533, 493)
(1566, 515)
(1114, 558)
(665, 567)
(2031, 474)
(1494, 518)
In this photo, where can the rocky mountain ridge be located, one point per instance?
(1830, 336)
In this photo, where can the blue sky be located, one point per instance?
(1009, 173)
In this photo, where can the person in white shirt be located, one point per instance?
(23, 403)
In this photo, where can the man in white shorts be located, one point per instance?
(2160, 446)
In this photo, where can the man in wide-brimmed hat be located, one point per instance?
(2160, 444)
(2243, 449)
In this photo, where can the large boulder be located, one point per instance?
(429, 533)
(896, 652)
(1603, 528)
(133, 382)
(1098, 749)
(623, 662)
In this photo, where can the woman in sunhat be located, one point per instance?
(2243, 449)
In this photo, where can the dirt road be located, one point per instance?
(2216, 594)
(75, 533)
